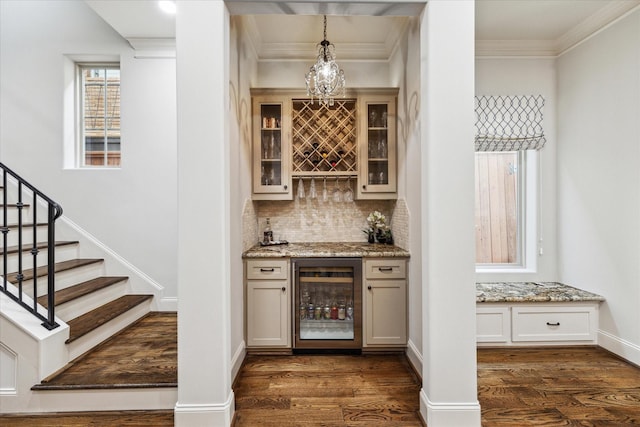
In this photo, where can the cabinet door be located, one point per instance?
(271, 148)
(385, 308)
(268, 313)
(377, 177)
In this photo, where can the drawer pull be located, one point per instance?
(267, 270)
(553, 324)
(385, 268)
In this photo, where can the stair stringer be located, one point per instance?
(91, 247)
(29, 352)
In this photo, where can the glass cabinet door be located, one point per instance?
(378, 166)
(271, 168)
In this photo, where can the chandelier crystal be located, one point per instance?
(325, 79)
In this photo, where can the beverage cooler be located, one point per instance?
(328, 303)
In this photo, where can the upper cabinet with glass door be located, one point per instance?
(271, 148)
(377, 165)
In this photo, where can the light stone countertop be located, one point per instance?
(326, 250)
(532, 292)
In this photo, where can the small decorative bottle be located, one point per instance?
(268, 233)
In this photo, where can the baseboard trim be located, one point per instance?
(237, 360)
(211, 414)
(168, 304)
(620, 347)
(449, 414)
(415, 358)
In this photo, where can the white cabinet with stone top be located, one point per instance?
(544, 313)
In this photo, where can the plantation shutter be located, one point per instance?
(509, 123)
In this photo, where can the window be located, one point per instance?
(505, 209)
(509, 134)
(99, 114)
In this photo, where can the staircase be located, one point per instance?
(95, 307)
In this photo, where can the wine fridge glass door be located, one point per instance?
(328, 308)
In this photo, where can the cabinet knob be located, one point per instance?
(369, 287)
(284, 289)
(285, 187)
(364, 186)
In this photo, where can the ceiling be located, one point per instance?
(282, 30)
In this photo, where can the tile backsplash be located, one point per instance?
(317, 220)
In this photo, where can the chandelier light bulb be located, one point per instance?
(325, 79)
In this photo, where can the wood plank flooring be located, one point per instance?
(570, 386)
(143, 355)
(327, 390)
(94, 419)
(517, 387)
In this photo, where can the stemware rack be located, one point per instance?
(324, 138)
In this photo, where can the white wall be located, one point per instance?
(132, 210)
(242, 66)
(530, 76)
(599, 178)
(404, 66)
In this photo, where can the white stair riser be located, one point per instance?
(64, 279)
(100, 334)
(63, 253)
(79, 306)
(103, 400)
(13, 213)
(27, 235)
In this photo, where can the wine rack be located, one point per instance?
(324, 138)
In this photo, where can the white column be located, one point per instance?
(449, 394)
(204, 380)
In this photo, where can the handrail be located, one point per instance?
(54, 211)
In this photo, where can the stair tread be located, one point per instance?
(81, 289)
(26, 247)
(29, 273)
(27, 224)
(142, 355)
(87, 322)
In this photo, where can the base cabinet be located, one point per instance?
(268, 304)
(385, 303)
(537, 324)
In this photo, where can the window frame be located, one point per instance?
(527, 224)
(80, 140)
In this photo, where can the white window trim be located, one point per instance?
(527, 220)
(73, 146)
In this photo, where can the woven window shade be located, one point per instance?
(509, 123)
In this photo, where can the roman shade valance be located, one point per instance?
(509, 123)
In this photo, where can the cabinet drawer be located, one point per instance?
(493, 324)
(547, 323)
(267, 269)
(387, 268)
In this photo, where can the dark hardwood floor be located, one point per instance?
(329, 390)
(569, 386)
(143, 355)
(517, 387)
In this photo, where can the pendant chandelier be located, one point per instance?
(325, 79)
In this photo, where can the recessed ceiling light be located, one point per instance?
(167, 6)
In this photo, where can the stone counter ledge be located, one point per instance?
(326, 250)
(532, 292)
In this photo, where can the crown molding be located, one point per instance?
(153, 47)
(515, 48)
(603, 17)
(611, 11)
